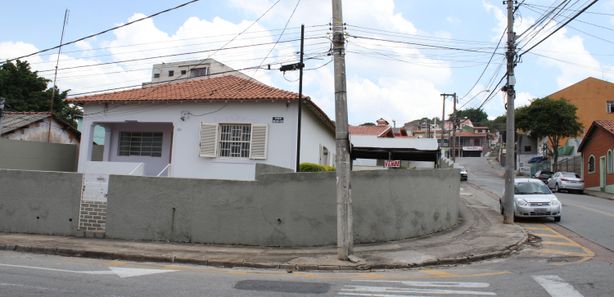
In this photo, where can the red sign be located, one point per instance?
(392, 163)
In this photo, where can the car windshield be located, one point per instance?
(526, 188)
(569, 174)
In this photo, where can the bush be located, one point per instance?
(312, 167)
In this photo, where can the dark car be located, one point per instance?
(544, 175)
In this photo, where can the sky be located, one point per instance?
(400, 55)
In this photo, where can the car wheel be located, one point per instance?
(556, 188)
(557, 219)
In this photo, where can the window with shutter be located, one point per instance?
(208, 140)
(258, 148)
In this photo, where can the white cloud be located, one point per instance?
(10, 50)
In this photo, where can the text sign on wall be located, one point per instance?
(278, 120)
(392, 163)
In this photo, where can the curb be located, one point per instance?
(246, 264)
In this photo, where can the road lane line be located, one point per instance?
(564, 253)
(592, 209)
(556, 287)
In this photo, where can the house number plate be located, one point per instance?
(278, 119)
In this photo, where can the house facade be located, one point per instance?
(216, 127)
(597, 150)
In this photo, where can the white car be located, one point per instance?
(568, 181)
(533, 199)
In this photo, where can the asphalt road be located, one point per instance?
(590, 217)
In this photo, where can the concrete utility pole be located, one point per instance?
(443, 118)
(454, 121)
(345, 238)
(1, 112)
(508, 215)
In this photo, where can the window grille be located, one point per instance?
(591, 164)
(234, 140)
(140, 144)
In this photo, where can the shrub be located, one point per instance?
(312, 167)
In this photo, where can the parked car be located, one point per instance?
(543, 175)
(533, 199)
(463, 174)
(568, 181)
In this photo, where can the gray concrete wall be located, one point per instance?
(281, 209)
(39, 202)
(31, 155)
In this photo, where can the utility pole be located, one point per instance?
(290, 67)
(1, 112)
(345, 240)
(454, 122)
(55, 75)
(508, 215)
(443, 118)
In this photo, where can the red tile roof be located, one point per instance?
(606, 124)
(368, 130)
(228, 87)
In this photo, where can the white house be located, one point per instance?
(215, 127)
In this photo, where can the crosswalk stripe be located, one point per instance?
(374, 289)
(556, 286)
(433, 284)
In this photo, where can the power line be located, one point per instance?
(485, 67)
(421, 44)
(560, 27)
(107, 30)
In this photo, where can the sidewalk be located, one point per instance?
(599, 194)
(479, 235)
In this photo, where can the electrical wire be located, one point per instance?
(105, 31)
(485, 68)
(559, 28)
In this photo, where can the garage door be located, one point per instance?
(472, 154)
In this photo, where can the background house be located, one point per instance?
(34, 126)
(594, 99)
(597, 150)
(216, 127)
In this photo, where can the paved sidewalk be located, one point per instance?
(480, 235)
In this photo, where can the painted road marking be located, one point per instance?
(556, 286)
(122, 272)
(557, 239)
(408, 288)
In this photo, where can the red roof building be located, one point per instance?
(597, 148)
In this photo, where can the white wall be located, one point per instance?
(314, 134)
(281, 143)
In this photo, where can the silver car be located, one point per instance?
(568, 181)
(533, 199)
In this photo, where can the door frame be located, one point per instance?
(602, 173)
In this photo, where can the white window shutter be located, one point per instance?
(258, 146)
(208, 140)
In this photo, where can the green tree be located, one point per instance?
(476, 115)
(24, 90)
(553, 119)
